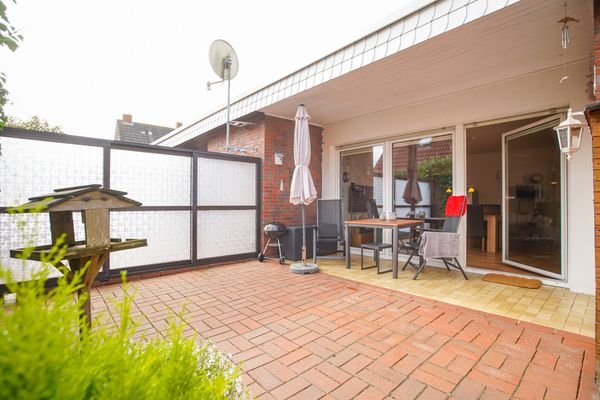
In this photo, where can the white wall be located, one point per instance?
(529, 94)
(483, 175)
(580, 203)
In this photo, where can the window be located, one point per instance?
(422, 176)
(361, 179)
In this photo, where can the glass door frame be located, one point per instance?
(520, 132)
(457, 182)
(358, 150)
(387, 143)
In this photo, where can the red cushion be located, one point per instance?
(456, 206)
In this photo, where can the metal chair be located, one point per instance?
(329, 228)
(476, 224)
(456, 207)
(442, 246)
(376, 246)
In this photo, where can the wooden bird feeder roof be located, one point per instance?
(77, 198)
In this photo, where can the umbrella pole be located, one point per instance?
(303, 238)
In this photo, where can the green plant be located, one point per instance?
(43, 355)
(438, 172)
(439, 167)
(34, 123)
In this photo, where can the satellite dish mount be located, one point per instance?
(224, 62)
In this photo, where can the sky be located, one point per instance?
(82, 63)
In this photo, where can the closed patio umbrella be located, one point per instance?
(412, 192)
(302, 190)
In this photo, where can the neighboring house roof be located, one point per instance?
(431, 19)
(136, 132)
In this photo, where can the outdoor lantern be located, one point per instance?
(569, 133)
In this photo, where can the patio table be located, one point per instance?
(394, 225)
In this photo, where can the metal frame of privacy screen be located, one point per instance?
(196, 218)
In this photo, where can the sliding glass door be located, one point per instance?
(361, 180)
(414, 175)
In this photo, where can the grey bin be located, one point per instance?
(292, 243)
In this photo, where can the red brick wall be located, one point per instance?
(250, 138)
(270, 135)
(596, 48)
(279, 138)
(594, 121)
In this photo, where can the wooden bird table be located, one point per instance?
(79, 256)
(94, 202)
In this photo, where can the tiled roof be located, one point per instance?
(137, 132)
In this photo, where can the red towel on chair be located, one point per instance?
(456, 206)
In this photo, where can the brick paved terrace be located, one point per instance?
(320, 336)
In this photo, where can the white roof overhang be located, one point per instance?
(400, 64)
(435, 18)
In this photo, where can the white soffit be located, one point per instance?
(434, 19)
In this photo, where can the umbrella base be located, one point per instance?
(308, 268)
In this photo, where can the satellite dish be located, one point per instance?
(224, 62)
(223, 59)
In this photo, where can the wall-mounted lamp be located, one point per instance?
(472, 196)
(278, 159)
(449, 190)
(569, 133)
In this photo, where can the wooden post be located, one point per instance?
(93, 264)
(61, 222)
(97, 227)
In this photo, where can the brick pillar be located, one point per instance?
(593, 117)
(597, 47)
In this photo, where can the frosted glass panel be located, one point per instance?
(168, 234)
(226, 183)
(24, 230)
(222, 233)
(152, 179)
(30, 168)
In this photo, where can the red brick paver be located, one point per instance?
(319, 336)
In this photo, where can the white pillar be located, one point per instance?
(387, 177)
(459, 182)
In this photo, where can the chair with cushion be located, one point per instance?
(376, 246)
(441, 246)
(456, 207)
(328, 232)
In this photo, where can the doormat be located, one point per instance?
(513, 281)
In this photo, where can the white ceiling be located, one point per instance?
(521, 39)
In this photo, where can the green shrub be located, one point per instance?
(43, 355)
